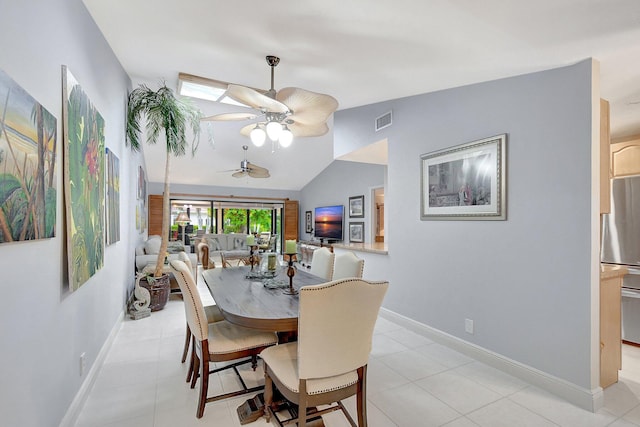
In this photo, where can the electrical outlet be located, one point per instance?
(83, 363)
(468, 326)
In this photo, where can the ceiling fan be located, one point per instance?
(248, 169)
(282, 114)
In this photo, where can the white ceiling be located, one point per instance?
(360, 52)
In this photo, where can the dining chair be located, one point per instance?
(322, 263)
(213, 315)
(182, 256)
(218, 341)
(346, 265)
(328, 363)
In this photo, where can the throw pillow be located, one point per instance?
(214, 244)
(175, 247)
(152, 246)
(239, 243)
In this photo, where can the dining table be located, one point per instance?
(247, 300)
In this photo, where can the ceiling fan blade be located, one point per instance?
(307, 107)
(229, 117)
(257, 171)
(253, 174)
(301, 129)
(255, 99)
(239, 174)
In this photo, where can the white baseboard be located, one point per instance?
(591, 400)
(70, 418)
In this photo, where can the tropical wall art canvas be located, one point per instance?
(28, 136)
(84, 180)
(113, 198)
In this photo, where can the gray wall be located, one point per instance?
(43, 328)
(526, 281)
(334, 185)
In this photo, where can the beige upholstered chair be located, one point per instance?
(269, 245)
(182, 256)
(328, 363)
(213, 315)
(219, 341)
(322, 263)
(346, 265)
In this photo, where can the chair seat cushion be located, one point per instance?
(225, 337)
(213, 313)
(282, 360)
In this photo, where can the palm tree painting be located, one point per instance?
(27, 165)
(83, 135)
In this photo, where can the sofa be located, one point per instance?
(211, 246)
(147, 252)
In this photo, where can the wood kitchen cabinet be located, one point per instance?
(610, 323)
(625, 157)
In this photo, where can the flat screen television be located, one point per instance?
(328, 222)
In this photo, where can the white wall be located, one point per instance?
(526, 281)
(43, 328)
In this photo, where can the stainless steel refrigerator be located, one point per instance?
(621, 245)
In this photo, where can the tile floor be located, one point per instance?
(412, 382)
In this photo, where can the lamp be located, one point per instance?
(286, 137)
(274, 129)
(257, 136)
(182, 220)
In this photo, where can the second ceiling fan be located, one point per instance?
(281, 114)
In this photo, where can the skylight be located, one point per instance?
(203, 88)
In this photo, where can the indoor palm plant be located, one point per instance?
(164, 114)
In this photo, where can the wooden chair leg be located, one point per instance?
(361, 397)
(302, 404)
(192, 369)
(204, 386)
(268, 394)
(196, 366)
(187, 341)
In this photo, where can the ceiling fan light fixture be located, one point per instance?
(286, 137)
(274, 129)
(257, 136)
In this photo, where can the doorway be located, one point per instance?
(377, 208)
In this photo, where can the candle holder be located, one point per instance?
(253, 258)
(290, 272)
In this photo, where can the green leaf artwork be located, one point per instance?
(84, 183)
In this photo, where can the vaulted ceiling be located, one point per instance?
(360, 52)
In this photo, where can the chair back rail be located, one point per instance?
(340, 316)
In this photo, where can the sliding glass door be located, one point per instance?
(217, 217)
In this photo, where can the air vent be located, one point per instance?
(383, 121)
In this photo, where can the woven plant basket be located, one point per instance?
(159, 288)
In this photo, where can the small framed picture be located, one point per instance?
(356, 207)
(308, 222)
(356, 232)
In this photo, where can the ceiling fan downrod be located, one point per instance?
(273, 62)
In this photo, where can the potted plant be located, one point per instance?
(166, 114)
